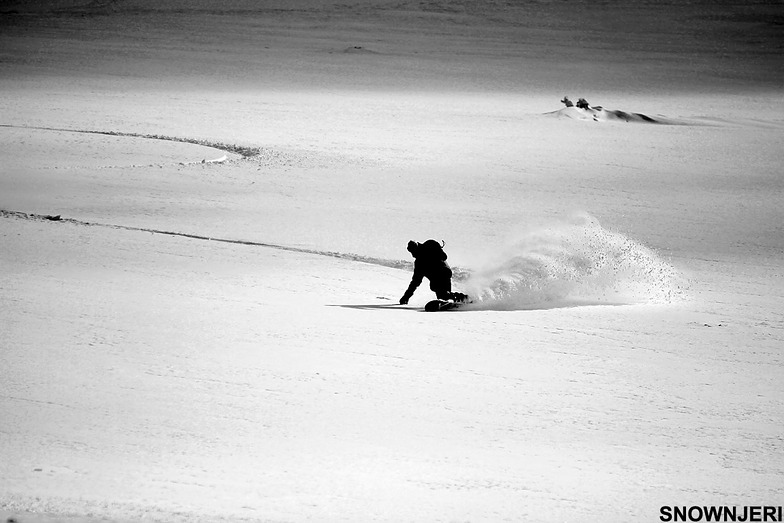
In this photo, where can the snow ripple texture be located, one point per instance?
(577, 262)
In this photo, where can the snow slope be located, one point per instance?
(196, 341)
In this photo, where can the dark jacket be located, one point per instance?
(430, 263)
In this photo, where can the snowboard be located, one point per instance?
(442, 305)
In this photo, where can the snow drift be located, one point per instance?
(600, 114)
(577, 262)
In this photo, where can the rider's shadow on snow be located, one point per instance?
(376, 306)
(493, 306)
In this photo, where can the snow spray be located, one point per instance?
(576, 262)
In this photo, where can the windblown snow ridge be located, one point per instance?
(577, 262)
(395, 264)
(600, 114)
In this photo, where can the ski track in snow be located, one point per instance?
(245, 152)
(395, 264)
(264, 156)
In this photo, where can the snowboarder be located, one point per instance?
(430, 263)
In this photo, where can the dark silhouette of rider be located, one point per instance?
(430, 263)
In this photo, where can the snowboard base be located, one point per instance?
(441, 305)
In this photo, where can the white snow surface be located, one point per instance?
(188, 340)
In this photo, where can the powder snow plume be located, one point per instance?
(577, 262)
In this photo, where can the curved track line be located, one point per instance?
(394, 264)
(245, 152)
